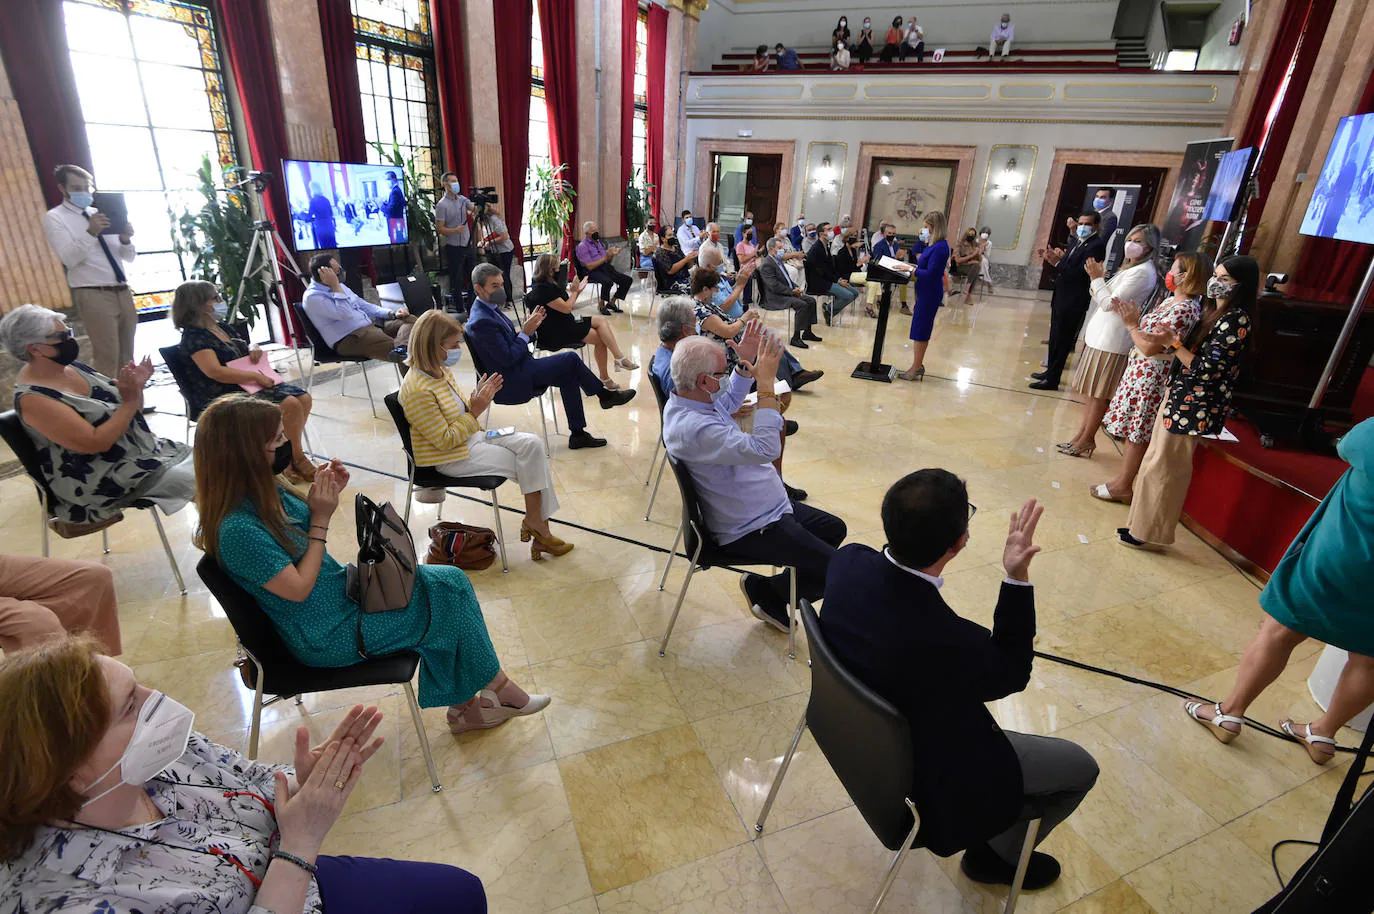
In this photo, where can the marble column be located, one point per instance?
(298, 51)
(479, 18)
(611, 211)
(690, 25)
(588, 165)
(671, 200)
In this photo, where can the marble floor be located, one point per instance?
(637, 789)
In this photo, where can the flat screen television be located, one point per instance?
(1342, 204)
(1226, 184)
(344, 205)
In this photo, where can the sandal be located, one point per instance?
(1105, 494)
(486, 711)
(625, 364)
(1084, 452)
(1310, 741)
(1214, 724)
(610, 384)
(868, 311)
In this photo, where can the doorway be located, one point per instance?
(1074, 190)
(744, 183)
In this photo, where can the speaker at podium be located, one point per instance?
(889, 273)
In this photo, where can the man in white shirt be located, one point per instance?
(95, 269)
(712, 254)
(688, 235)
(1002, 34)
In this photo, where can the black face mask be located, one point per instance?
(595, 236)
(67, 351)
(282, 458)
(497, 298)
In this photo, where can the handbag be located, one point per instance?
(461, 545)
(384, 577)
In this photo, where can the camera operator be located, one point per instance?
(496, 241)
(451, 214)
(100, 290)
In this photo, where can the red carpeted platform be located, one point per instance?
(1252, 500)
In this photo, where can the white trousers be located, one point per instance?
(519, 456)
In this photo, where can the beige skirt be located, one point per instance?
(1099, 372)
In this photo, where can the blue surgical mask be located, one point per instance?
(82, 198)
(1085, 232)
(925, 234)
(456, 187)
(1100, 203)
(221, 309)
(452, 357)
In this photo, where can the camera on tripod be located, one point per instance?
(258, 180)
(482, 197)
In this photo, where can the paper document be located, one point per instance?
(263, 367)
(780, 387)
(1223, 435)
(892, 263)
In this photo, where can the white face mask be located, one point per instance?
(984, 236)
(221, 310)
(159, 739)
(1134, 250)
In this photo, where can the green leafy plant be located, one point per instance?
(551, 202)
(637, 203)
(217, 236)
(420, 200)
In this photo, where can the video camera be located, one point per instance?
(482, 197)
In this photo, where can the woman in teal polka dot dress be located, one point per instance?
(273, 545)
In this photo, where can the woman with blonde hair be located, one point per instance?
(209, 344)
(561, 330)
(446, 433)
(273, 545)
(930, 290)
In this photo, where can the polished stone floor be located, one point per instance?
(637, 789)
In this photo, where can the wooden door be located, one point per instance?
(761, 189)
(1077, 180)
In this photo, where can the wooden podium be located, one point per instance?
(875, 369)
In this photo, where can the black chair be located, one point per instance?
(480, 367)
(705, 553)
(321, 353)
(661, 399)
(274, 670)
(430, 478)
(580, 271)
(12, 430)
(868, 745)
(180, 367)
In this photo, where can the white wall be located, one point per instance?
(1216, 54)
(729, 25)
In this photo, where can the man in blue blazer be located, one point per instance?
(976, 786)
(502, 349)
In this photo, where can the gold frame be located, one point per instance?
(1157, 101)
(987, 87)
(1001, 96)
(1025, 198)
(839, 185)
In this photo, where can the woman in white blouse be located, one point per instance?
(1107, 338)
(110, 802)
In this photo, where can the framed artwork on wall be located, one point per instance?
(902, 191)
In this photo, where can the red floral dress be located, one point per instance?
(1132, 412)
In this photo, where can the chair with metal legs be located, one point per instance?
(430, 478)
(705, 553)
(12, 431)
(269, 667)
(661, 399)
(868, 745)
(481, 370)
(321, 353)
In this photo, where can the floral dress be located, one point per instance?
(203, 388)
(90, 488)
(1199, 399)
(1132, 412)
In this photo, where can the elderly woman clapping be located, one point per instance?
(94, 446)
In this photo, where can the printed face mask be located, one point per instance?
(1220, 288)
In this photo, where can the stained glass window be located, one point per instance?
(641, 118)
(151, 85)
(532, 241)
(396, 78)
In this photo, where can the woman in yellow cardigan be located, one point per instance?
(446, 434)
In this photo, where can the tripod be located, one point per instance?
(265, 253)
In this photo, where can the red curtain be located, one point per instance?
(1331, 270)
(629, 21)
(248, 46)
(512, 47)
(655, 64)
(451, 64)
(558, 28)
(34, 45)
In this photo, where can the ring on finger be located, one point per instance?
(339, 785)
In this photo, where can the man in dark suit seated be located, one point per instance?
(976, 786)
(505, 351)
(1072, 296)
(780, 293)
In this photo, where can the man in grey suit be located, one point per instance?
(779, 293)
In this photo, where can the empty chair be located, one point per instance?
(868, 744)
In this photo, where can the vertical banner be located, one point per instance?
(1123, 203)
(1184, 223)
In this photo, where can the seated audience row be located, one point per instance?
(902, 40)
(561, 330)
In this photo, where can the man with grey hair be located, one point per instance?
(713, 255)
(746, 507)
(505, 351)
(676, 321)
(595, 258)
(779, 292)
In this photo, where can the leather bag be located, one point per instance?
(461, 545)
(384, 577)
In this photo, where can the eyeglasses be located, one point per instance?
(55, 338)
(972, 510)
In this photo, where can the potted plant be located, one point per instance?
(550, 202)
(217, 235)
(420, 200)
(637, 204)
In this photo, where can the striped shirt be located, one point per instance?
(440, 421)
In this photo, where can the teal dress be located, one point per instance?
(1322, 585)
(443, 622)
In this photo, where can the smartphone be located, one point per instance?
(501, 432)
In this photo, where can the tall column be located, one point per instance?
(1261, 31)
(588, 165)
(690, 24)
(479, 19)
(672, 201)
(612, 81)
(299, 53)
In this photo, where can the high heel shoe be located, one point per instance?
(542, 544)
(1080, 451)
(917, 375)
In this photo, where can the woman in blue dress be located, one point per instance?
(273, 545)
(1320, 589)
(930, 291)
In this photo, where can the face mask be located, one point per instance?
(67, 351)
(452, 357)
(160, 737)
(1170, 283)
(867, 23)
(686, 220)
(595, 236)
(497, 298)
(1134, 250)
(1085, 231)
(748, 221)
(811, 234)
(1100, 203)
(281, 459)
(221, 310)
(984, 236)
(82, 198)
(456, 187)
(891, 239)
(1220, 288)
(844, 23)
(925, 234)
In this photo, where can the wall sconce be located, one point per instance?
(1011, 164)
(825, 175)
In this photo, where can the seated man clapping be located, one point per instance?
(747, 510)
